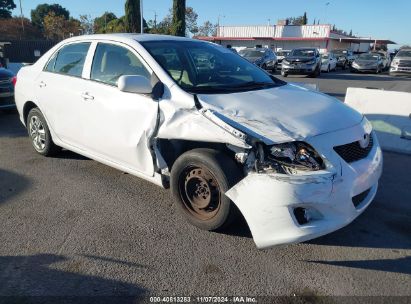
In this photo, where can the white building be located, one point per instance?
(288, 37)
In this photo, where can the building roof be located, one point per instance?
(321, 32)
(364, 40)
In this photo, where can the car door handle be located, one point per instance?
(87, 96)
(42, 84)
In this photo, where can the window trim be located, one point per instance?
(90, 60)
(56, 54)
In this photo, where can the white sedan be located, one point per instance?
(328, 62)
(224, 135)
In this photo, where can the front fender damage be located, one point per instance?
(269, 189)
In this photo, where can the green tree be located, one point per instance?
(305, 20)
(6, 6)
(165, 26)
(207, 29)
(10, 28)
(101, 23)
(300, 20)
(191, 21)
(86, 24)
(117, 25)
(133, 16)
(179, 18)
(42, 10)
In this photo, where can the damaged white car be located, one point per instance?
(224, 135)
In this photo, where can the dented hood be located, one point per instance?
(282, 114)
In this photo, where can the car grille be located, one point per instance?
(404, 64)
(5, 81)
(353, 152)
(358, 199)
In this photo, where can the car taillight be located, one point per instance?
(14, 80)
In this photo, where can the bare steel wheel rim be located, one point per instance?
(37, 133)
(200, 192)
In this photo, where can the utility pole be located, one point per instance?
(218, 22)
(142, 17)
(22, 17)
(326, 11)
(155, 19)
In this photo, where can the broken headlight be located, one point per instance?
(292, 157)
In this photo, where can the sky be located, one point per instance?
(380, 19)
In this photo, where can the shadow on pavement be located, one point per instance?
(36, 276)
(400, 265)
(362, 77)
(11, 184)
(10, 125)
(66, 154)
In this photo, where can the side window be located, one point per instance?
(111, 62)
(69, 60)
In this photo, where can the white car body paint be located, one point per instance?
(123, 136)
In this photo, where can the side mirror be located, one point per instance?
(134, 84)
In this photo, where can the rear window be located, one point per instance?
(69, 60)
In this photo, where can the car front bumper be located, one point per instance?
(269, 202)
(400, 70)
(299, 70)
(372, 69)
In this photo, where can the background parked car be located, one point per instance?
(401, 63)
(368, 62)
(328, 62)
(344, 58)
(386, 60)
(7, 83)
(280, 57)
(302, 61)
(262, 57)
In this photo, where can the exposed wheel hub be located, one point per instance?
(200, 193)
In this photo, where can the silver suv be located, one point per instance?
(401, 65)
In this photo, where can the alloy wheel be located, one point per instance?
(37, 133)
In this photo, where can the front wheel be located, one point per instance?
(39, 133)
(199, 179)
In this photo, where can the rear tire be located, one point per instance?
(39, 134)
(199, 179)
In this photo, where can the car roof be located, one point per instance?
(131, 36)
(305, 48)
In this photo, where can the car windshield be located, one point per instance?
(368, 57)
(303, 53)
(325, 56)
(404, 53)
(283, 53)
(206, 68)
(251, 53)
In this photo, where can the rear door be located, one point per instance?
(59, 87)
(120, 125)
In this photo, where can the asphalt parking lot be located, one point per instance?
(70, 226)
